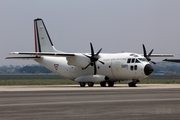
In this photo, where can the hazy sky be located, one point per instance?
(114, 25)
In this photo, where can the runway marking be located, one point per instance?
(85, 102)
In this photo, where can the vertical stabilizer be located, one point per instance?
(43, 41)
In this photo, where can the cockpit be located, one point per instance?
(136, 60)
(142, 59)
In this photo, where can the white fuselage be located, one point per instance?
(116, 66)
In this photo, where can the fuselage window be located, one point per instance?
(132, 67)
(129, 60)
(135, 67)
(133, 60)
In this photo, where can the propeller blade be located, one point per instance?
(150, 53)
(101, 62)
(153, 62)
(148, 56)
(87, 56)
(144, 51)
(93, 59)
(86, 66)
(98, 52)
(92, 50)
(95, 69)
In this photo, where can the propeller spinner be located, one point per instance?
(148, 56)
(93, 58)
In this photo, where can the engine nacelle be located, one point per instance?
(78, 60)
(91, 78)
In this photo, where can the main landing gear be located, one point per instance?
(83, 84)
(110, 84)
(133, 83)
(91, 84)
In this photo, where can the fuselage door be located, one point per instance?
(116, 68)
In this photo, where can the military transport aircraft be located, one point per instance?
(88, 68)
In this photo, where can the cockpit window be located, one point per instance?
(137, 61)
(142, 59)
(133, 60)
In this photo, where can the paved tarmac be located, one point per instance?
(146, 102)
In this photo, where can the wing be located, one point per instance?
(78, 60)
(23, 58)
(160, 55)
(172, 60)
(44, 54)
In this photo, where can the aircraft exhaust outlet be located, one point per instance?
(91, 78)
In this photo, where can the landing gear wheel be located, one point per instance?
(110, 84)
(103, 84)
(82, 84)
(132, 84)
(90, 84)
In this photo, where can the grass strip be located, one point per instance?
(57, 80)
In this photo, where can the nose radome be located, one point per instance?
(148, 69)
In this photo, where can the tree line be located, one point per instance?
(24, 69)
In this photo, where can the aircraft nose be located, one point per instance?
(148, 69)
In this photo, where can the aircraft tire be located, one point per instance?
(111, 84)
(90, 84)
(82, 84)
(103, 84)
(132, 84)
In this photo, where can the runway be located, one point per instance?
(146, 102)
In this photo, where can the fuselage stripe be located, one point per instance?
(38, 38)
(35, 41)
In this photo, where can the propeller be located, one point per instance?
(148, 56)
(93, 59)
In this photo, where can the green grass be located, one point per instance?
(170, 79)
(57, 80)
(37, 82)
(34, 80)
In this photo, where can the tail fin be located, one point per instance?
(43, 41)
